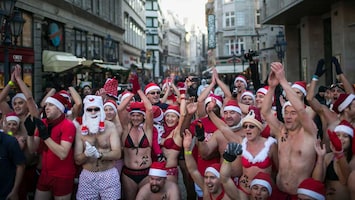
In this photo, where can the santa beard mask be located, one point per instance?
(92, 122)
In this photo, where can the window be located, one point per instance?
(152, 22)
(258, 17)
(151, 5)
(233, 46)
(25, 39)
(152, 39)
(80, 43)
(240, 19)
(228, 1)
(97, 47)
(229, 19)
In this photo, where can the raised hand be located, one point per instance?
(199, 131)
(30, 126)
(320, 68)
(320, 149)
(191, 107)
(232, 151)
(335, 141)
(337, 65)
(42, 129)
(187, 139)
(91, 151)
(279, 71)
(272, 80)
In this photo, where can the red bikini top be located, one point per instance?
(261, 160)
(169, 143)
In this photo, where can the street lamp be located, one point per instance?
(243, 58)
(280, 45)
(154, 61)
(11, 24)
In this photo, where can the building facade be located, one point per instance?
(314, 30)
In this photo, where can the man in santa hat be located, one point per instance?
(152, 91)
(57, 135)
(158, 187)
(295, 137)
(97, 147)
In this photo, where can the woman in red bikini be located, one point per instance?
(171, 142)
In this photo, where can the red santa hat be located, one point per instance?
(12, 116)
(93, 101)
(301, 85)
(345, 127)
(253, 117)
(312, 188)
(136, 107)
(110, 87)
(182, 88)
(173, 109)
(242, 79)
(264, 180)
(248, 93)
(343, 101)
(157, 114)
(158, 169)
(214, 169)
(112, 104)
(219, 99)
(61, 102)
(150, 87)
(232, 105)
(18, 95)
(263, 90)
(124, 95)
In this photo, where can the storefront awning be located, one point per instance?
(111, 66)
(56, 61)
(227, 69)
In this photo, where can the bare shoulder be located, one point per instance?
(109, 124)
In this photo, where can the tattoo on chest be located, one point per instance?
(145, 160)
(245, 181)
(284, 137)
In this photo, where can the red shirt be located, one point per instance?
(51, 163)
(210, 128)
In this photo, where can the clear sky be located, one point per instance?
(194, 10)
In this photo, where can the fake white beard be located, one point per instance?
(93, 123)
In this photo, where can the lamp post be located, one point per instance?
(243, 58)
(11, 24)
(154, 61)
(142, 59)
(280, 45)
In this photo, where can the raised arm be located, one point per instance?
(223, 86)
(191, 164)
(78, 102)
(341, 77)
(201, 99)
(320, 168)
(305, 119)
(271, 119)
(148, 124)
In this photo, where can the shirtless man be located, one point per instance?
(295, 137)
(97, 147)
(158, 187)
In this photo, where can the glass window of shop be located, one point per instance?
(81, 43)
(96, 50)
(16, 55)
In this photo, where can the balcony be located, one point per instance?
(290, 11)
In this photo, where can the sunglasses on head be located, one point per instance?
(93, 109)
(153, 93)
(250, 126)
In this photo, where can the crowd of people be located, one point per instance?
(284, 142)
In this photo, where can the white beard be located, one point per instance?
(93, 122)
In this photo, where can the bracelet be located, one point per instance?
(226, 161)
(188, 152)
(10, 83)
(338, 156)
(100, 156)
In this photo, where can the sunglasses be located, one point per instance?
(249, 126)
(92, 109)
(154, 93)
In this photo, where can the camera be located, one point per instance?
(195, 79)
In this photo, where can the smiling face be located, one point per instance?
(247, 100)
(156, 183)
(154, 96)
(12, 126)
(259, 192)
(231, 117)
(345, 140)
(171, 119)
(259, 98)
(212, 183)
(291, 120)
(251, 131)
(110, 113)
(20, 107)
(136, 118)
(93, 118)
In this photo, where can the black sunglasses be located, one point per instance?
(93, 109)
(153, 93)
(250, 126)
